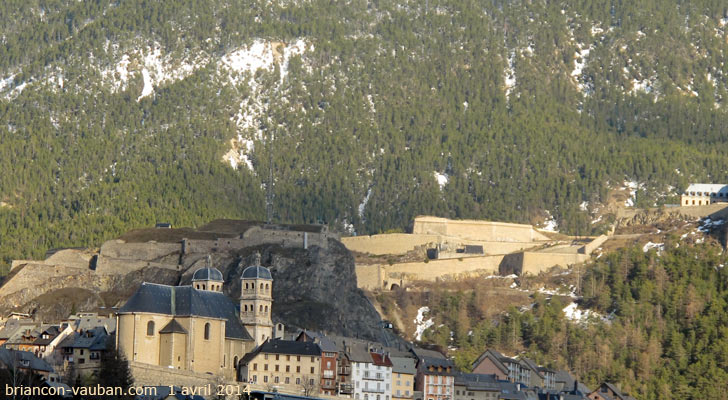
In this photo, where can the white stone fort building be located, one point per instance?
(702, 194)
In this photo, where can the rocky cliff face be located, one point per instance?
(314, 288)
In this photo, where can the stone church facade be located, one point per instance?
(197, 328)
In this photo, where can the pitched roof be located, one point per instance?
(320, 339)
(93, 339)
(494, 356)
(477, 382)
(403, 365)
(24, 359)
(187, 301)
(707, 188)
(359, 353)
(419, 352)
(173, 327)
(52, 332)
(440, 366)
(381, 359)
(280, 346)
(532, 366)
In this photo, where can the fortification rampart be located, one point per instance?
(477, 230)
(23, 287)
(401, 243)
(594, 244)
(533, 263)
(384, 276)
(146, 251)
(66, 257)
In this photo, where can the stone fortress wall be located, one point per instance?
(119, 256)
(507, 249)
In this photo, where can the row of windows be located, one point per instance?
(277, 368)
(247, 308)
(366, 397)
(714, 194)
(442, 379)
(212, 287)
(276, 379)
(288, 357)
(251, 285)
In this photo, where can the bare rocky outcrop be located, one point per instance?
(314, 287)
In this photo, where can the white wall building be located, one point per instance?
(371, 374)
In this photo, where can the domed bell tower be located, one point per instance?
(256, 288)
(208, 278)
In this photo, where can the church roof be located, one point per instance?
(256, 272)
(173, 327)
(187, 301)
(207, 274)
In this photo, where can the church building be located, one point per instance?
(196, 327)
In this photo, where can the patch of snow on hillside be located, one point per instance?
(16, 91)
(644, 85)
(160, 68)
(579, 63)
(421, 325)
(239, 152)
(4, 83)
(550, 224)
(241, 66)
(707, 225)
(584, 206)
(441, 179)
(148, 88)
(632, 186)
(364, 202)
(510, 73)
(724, 21)
(649, 245)
(574, 314)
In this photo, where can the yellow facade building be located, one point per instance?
(285, 366)
(197, 328)
(403, 378)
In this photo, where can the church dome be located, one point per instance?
(256, 272)
(207, 274)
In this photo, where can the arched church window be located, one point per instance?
(261, 309)
(150, 328)
(235, 362)
(266, 287)
(207, 331)
(266, 309)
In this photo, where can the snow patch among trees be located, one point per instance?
(422, 324)
(241, 65)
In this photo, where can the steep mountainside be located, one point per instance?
(116, 114)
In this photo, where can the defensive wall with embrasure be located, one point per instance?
(507, 249)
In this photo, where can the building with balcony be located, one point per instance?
(329, 363)
(435, 375)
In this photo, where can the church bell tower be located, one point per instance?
(256, 288)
